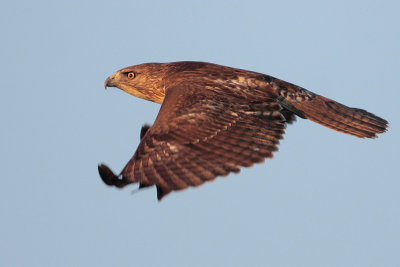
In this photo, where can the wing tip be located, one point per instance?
(162, 192)
(144, 130)
(108, 176)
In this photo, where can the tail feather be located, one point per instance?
(352, 121)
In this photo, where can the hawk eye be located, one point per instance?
(131, 75)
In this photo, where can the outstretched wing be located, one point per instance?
(199, 135)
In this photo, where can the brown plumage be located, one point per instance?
(215, 119)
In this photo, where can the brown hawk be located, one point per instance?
(215, 119)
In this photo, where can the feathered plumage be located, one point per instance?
(216, 119)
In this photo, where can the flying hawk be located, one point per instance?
(215, 119)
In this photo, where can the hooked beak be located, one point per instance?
(109, 82)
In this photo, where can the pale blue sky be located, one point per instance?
(326, 199)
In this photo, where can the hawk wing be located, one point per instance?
(199, 135)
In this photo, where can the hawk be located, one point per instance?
(215, 119)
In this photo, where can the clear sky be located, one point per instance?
(326, 199)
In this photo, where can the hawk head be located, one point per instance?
(143, 81)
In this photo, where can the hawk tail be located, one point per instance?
(331, 114)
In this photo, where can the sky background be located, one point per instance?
(326, 199)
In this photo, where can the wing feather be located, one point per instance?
(210, 127)
(192, 144)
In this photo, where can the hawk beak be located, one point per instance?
(109, 82)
